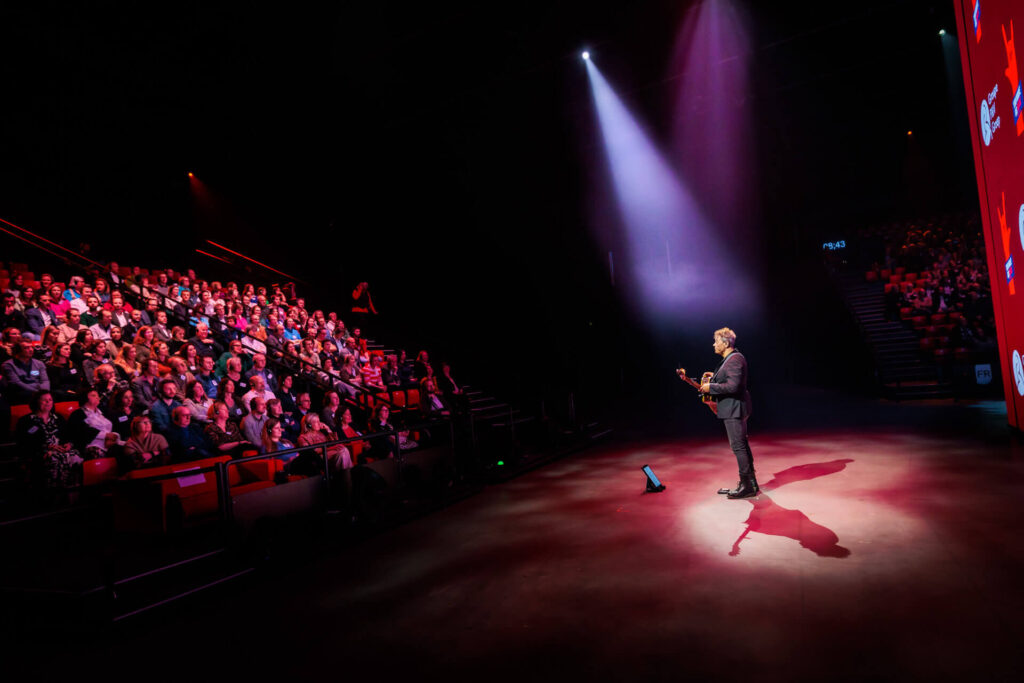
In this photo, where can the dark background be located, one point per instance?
(446, 152)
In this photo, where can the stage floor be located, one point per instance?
(873, 553)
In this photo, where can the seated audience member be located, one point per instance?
(350, 375)
(161, 353)
(128, 368)
(447, 384)
(185, 440)
(288, 395)
(26, 300)
(39, 317)
(161, 328)
(10, 316)
(290, 425)
(177, 340)
(90, 430)
(372, 374)
(145, 448)
(47, 344)
(81, 346)
(330, 415)
(69, 328)
(258, 389)
(121, 409)
(180, 374)
(101, 328)
(348, 430)
(106, 383)
(148, 315)
(390, 374)
(226, 394)
(197, 402)
(87, 305)
(421, 368)
(143, 343)
(188, 354)
(222, 433)
(272, 440)
(11, 336)
(207, 377)
(23, 376)
(259, 367)
(66, 378)
(204, 343)
(43, 438)
(234, 373)
(95, 356)
(431, 403)
(252, 424)
(116, 341)
(16, 285)
(147, 385)
(380, 422)
(161, 409)
(121, 314)
(58, 304)
(313, 432)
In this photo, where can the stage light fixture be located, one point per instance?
(585, 55)
(191, 174)
(942, 31)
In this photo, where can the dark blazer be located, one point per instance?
(729, 387)
(34, 320)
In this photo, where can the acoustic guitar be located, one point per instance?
(705, 398)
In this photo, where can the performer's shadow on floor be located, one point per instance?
(767, 517)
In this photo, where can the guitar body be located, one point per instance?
(706, 399)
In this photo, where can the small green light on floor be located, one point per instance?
(500, 463)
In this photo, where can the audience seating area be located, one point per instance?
(60, 333)
(936, 281)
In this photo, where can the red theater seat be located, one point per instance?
(98, 471)
(871, 276)
(18, 412)
(65, 408)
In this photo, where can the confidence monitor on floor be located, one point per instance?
(654, 485)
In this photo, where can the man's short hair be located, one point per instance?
(727, 336)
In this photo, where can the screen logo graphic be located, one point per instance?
(1018, 372)
(1005, 229)
(977, 20)
(1012, 75)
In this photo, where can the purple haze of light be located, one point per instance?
(682, 272)
(713, 141)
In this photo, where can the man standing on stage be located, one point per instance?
(728, 385)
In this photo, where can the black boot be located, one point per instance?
(744, 490)
(753, 483)
(726, 490)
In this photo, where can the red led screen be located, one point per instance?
(988, 30)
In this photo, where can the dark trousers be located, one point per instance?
(736, 429)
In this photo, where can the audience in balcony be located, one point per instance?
(146, 388)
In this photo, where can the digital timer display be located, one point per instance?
(832, 246)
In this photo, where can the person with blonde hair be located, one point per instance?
(728, 387)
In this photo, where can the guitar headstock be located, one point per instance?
(681, 372)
